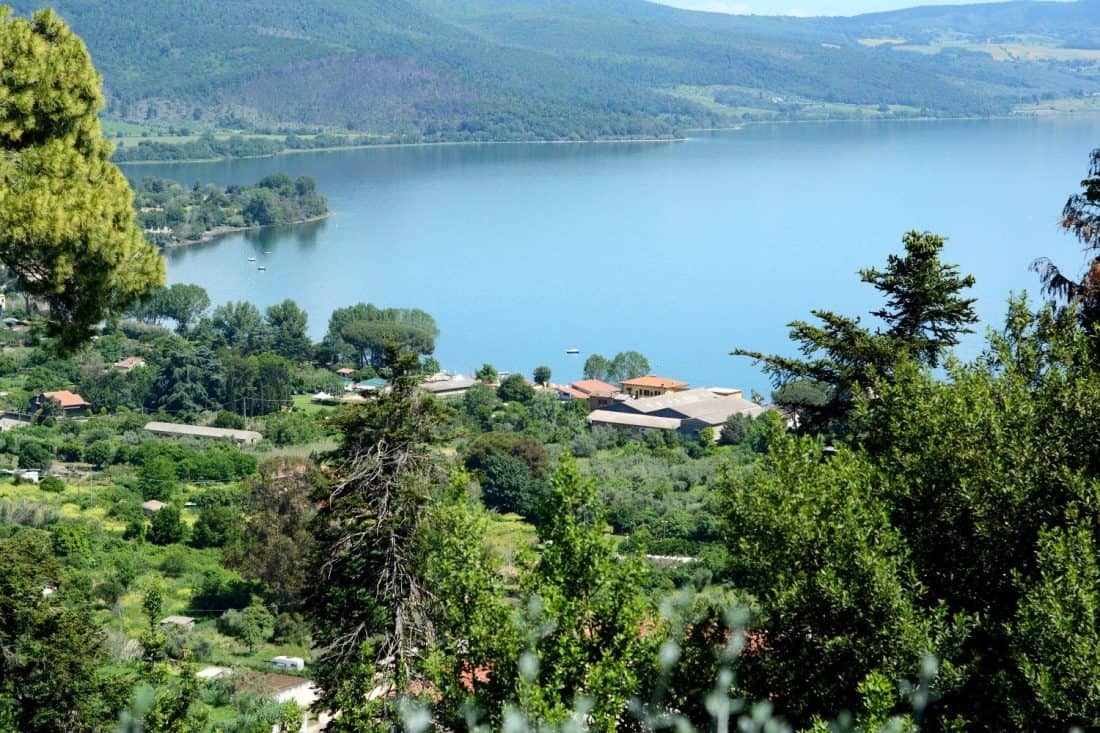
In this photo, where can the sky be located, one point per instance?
(805, 7)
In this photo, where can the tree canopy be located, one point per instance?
(924, 315)
(67, 226)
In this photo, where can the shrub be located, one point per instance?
(70, 451)
(109, 591)
(35, 454)
(99, 453)
(51, 484)
(157, 478)
(217, 526)
(167, 528)
(227, 419)
(73, 541)
(175, 563)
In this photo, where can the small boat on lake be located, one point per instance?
(261, 268)
(574, 350)
(251, 259)
(267, 251)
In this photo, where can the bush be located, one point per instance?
(109, 591)
(167, 528)
(51, 484)
(73, 541)
(99, 453)
(35, 454)
(735, 429)
(291, 428)
(157, 478)
(175, 563)
(70, 451)
(227, 419)
(217, 526)
(136, 529)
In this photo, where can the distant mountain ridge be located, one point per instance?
(561, 69)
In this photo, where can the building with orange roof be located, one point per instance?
(652, 386)
(71, 403)
(599, 393)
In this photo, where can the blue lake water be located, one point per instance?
(679, 250)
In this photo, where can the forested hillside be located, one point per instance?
(521, 69)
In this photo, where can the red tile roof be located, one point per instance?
(595, 387)
(67, 399)
(575, 394)
(654, 382)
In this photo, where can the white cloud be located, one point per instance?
(798, 13)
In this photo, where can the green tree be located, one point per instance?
(67, 229)
(542, 376)
(152, 603)
(813, 543)
(276, 541)
(158, 478)
(367, 598)
(188, 381)
(217, 526)
(256, 626)
(184, 304)
(597, 367)
(487, 373)
(35, 454)
(177, 707)
(287, 324)
(241, 327)
(924, 315)
(585, 611)
(274, 385)
(514, 388)
(626, 365)
(53, 676)
(1080, 217)
(365, 333)
(166, 528)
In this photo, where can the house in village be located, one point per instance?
(283, 688)
(177, 623)
(651, 386)
(72, 404)
(283, 662)
(449, 387)
(129, 364)
(598, 393)
(151, 507)
(687, 411)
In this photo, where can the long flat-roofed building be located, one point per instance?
(687, 411)
(177, 430)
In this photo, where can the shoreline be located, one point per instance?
(441, 144)
(612, 141)
(213, 234)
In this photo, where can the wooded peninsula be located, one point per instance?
(171, 215)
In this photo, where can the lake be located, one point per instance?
(678, 250)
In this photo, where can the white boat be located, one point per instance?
(261, 268)
(267, 251)
(251, 259)
(573, 351)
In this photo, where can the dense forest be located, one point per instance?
(903, 541)
(423, 70)
(170, 214)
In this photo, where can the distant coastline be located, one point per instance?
(684, 135)
(436, 144)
